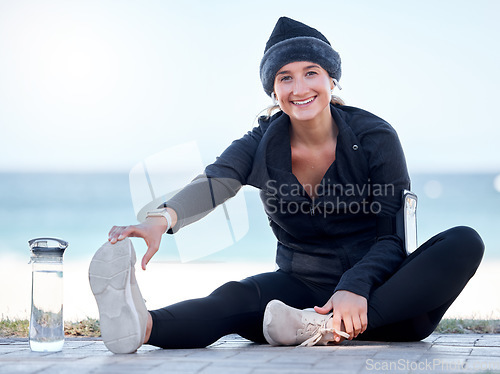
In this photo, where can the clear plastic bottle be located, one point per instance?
(46, 323)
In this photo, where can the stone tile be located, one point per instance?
(296, 357)
(164, 353)
(218, 369)
(251, 357)
(98, 360)
(66, 368)
(211, 354)
(25, 352)
(483, 364)
(179, 366)
(420, 346)
(457, 339)
(341, 364)
(23, 367)
(287, 370)
(9, 349)
(451, 350)
(396, 354)
(358, 351)
(486, 351)
(488, 342)
(283, 367)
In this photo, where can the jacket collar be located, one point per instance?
(273, 161)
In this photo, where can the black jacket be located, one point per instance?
(333, 239)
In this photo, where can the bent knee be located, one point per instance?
(467, 243)
(469, 238)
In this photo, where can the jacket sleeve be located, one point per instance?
(220, 181)
(387, 166)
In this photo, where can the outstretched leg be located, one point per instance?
(235, 307)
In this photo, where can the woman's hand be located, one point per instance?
(349, 308)
(150, 230)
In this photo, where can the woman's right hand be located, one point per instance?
(151, 230)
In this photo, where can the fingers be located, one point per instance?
(351, 310)
(356, 325)
(152, 249)
(337, 326)
(325, 309)
(364, 322)
(149, 231)
(121, 232)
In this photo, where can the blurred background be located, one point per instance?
(88, 89)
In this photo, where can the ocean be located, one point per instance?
(81, 208)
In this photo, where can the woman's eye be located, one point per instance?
(285, 78)
(311, 73)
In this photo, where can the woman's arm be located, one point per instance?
(387, 167)
(150, 230)
(221, 181)
(349, 302)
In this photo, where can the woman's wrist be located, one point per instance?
(173, 215)
(157, 221)
(166, 217)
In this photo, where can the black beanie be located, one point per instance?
(293, 41)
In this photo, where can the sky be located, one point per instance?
(98, 86)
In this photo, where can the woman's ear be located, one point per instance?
(275, 100)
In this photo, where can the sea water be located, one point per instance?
(83, 207)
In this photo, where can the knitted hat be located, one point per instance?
(293, 41)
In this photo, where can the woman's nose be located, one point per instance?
(299, 86)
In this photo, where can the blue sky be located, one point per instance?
(101, 85)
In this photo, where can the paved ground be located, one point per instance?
(470, 353)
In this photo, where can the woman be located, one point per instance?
(331, 178)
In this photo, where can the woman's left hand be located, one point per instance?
(347, 307)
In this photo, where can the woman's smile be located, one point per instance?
(303, 103)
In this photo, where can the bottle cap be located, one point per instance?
(48, 246)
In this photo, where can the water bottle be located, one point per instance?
(46, 332)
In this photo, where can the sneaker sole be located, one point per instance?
(268, 317)
(109, 276)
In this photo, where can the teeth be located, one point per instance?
(303, 102)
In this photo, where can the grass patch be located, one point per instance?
(88, 327)
(468, 326)
(20, 328)
(14, 328)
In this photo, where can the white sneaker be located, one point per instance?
(284, 325)
(122, 312)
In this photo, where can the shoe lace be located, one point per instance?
(319, 330)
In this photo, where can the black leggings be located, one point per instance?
(407, 307)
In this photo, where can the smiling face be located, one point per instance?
(303, 90)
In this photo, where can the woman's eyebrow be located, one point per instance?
(288, 72)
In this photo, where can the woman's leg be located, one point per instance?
(411, 303)
(235, 307)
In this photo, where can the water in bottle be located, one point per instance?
(46, 333)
